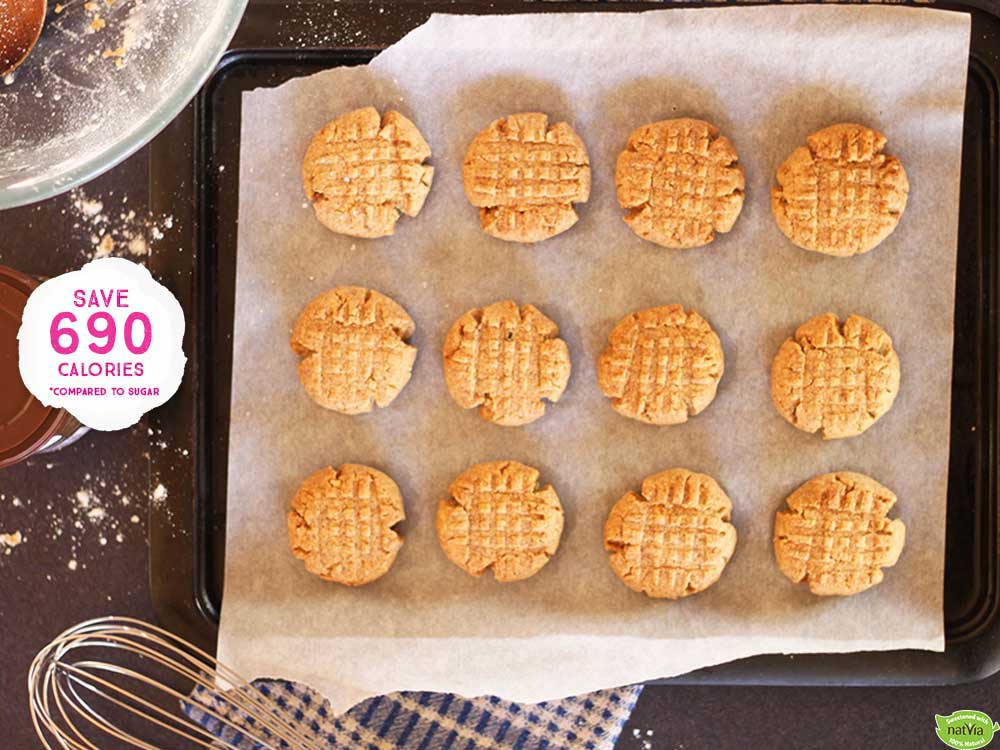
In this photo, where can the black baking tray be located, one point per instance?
(194, 169)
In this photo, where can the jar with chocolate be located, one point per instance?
(26, 426)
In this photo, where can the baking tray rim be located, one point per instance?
(209, 610)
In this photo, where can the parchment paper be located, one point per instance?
(767, 77)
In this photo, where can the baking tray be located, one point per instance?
(194, 172)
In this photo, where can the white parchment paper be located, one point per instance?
(767, 77)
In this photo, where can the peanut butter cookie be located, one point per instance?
(661, 365)
(836, 536)
(835, 379)
(497, 517)
(341, 524)
(680, 183)
(362, 170)
(505, 361)
(525, 176)
(840, 195)
(353, 346)
(675, 538)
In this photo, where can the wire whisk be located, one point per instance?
(115, 683)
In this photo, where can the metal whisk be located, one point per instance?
(115, 683)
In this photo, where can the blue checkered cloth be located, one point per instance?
(427, 721)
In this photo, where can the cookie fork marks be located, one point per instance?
(361, 171)
(506, 361)
(661, 365)
(341, 524)
(674, 539)
(680, 183)
(353, 346)
(836, 535)
(497, 517)
(835, 379)
(525, 176)
(839, 194)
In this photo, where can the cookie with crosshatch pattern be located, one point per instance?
(341, 524)
(674, 538)
(506, 361)
(840, 194)
(496, 516)
(353, 346)
(835, 379)
(524, 175)
(836, 535)
(661, 365)
(362, 170)
(679, 182)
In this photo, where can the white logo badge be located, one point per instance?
(103, 342)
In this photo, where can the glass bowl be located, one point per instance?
(105, 77)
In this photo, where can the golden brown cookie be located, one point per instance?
(840, 195)
(496, 516)
(833, 378)
(661, 365)
(525, 176)
(680, 183)
(505, 361)
(836, 536)
(353, 346)
(675, 538)
(341, 524)
(360, 171)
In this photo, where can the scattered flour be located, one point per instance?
(105, 247)
(9, 541)
(159, 494)
(120, 35)
(105, 509)
(79, 524)
(115, 229)
(643, 738)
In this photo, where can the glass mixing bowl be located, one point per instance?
(105, 77)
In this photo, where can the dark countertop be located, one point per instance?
(40, 595)
(51, 500)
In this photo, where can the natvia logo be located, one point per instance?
(966, 729)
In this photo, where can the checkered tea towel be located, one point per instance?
(433, 721)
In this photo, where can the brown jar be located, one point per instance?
(26, 426)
